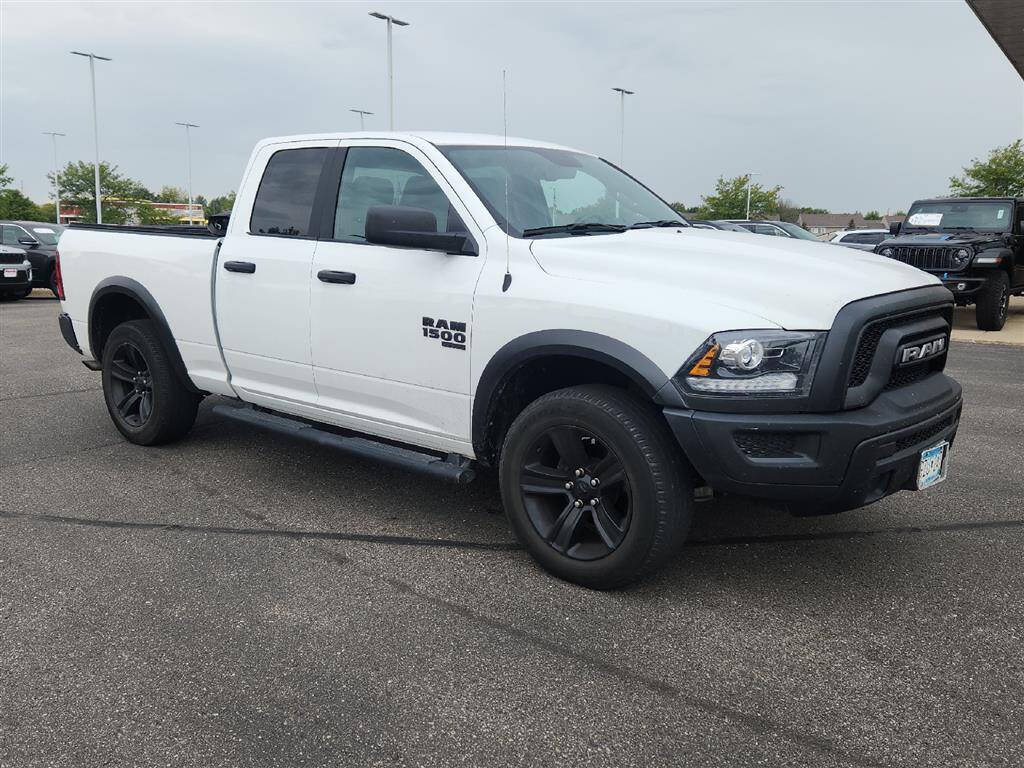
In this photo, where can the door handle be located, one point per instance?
(240, 266)
(330, 276)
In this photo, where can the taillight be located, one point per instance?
(60, 280)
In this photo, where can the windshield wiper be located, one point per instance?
(577, 228)
(660, 223)
(961, 229)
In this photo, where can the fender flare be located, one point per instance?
(629, 361)
(1005, 264)
(133, 289)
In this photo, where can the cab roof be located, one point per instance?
(437, 138)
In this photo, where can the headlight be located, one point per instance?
(962, 256)
(762, 363)
(886, 251)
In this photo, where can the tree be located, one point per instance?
(871, 215)
(120, 194)
(1001, 175)
(729, 200)
(222, 204)
(150, 215)
(14, 205)
(5, 178)
(47, 212)
(170, 195)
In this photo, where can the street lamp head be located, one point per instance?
(392, 19)
(92, 56)
(361, 111)
(188, 125)
(624, 91)
(52, 133)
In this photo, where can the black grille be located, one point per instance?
(766, 445)
(927, 257)
(920, 436)
(868, 343)
(11, 258)
(901, 377)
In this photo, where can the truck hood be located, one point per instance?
(791, 283)
(944, 238)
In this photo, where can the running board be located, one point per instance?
(453, 468)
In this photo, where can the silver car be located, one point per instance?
(861, 239)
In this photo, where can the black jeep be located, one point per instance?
(975, 245)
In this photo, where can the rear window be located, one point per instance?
(284, 202)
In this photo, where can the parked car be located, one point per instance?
(40, 243)
(720, 225)
(975, 245)
(417, 299)
(861, 239)
(774, 228)
(15, 273)
(729, 226)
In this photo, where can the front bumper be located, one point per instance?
(21, 279)
(962, 287)
(834, 461)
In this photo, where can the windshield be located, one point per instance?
(555, 188)
(984, 215)
(47, 235)
(795, 230)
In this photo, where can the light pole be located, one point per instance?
(95, 127)
(362, 117)
(188, 155)
(56, 172)
(391, 72)
(749, 177)
(623, 93)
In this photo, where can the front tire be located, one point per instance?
(595, 487)
(993, 303)
(147, 402)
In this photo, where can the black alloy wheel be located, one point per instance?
(131, 384)
(575, 492)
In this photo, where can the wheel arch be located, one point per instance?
(119, 299)
(540, 362)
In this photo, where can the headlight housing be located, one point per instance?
(760, 363)
(886, 252)
(962, 256)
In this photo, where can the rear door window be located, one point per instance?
(284, 202)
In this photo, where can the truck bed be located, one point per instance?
(170, 230)
(172, 265)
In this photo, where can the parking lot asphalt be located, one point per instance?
(237, 599)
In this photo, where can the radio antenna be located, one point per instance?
(504, 117)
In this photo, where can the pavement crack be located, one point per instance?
(408, 541)
(757, 723)
(50, 394)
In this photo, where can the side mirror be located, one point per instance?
(217, 223)
(413, 228)
(894, 228)
(31, 242)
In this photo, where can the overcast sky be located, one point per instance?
(846, 105)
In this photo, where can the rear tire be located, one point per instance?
(147, 401)
(993, 303)
(629, 510)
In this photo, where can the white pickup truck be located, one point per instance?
(438, 300)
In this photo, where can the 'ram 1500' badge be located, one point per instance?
(915, 353)
(452, 333)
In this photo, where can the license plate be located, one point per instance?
(933, 467)
(10, 273)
